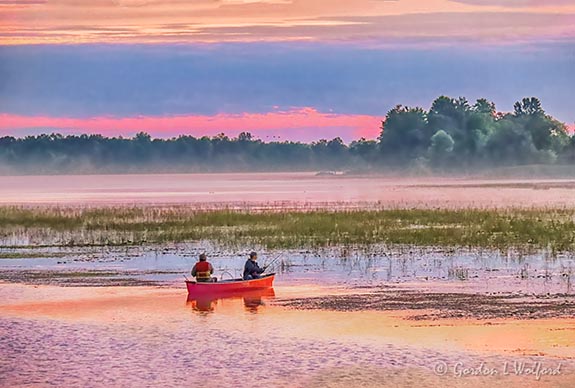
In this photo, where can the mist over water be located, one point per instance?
(285, 190)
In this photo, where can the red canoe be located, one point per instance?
(229, 286)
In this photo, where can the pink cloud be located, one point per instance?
(303, 124)
(375, 22)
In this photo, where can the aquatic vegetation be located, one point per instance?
(30, 255)
(522, 229)
(458, 273)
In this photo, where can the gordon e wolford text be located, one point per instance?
(517, 368)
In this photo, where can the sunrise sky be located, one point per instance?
(281, 69)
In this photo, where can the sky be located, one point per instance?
(281, 69)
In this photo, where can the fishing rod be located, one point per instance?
(266, 266)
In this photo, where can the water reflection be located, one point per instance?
(252, 300)
(144, 337)
(479, 270)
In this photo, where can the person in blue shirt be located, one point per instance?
(251, 269)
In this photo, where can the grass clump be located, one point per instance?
(30, 255)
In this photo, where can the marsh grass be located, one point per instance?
(458, 273)
(31, 255)
(526, 230)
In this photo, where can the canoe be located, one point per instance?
(229, 286)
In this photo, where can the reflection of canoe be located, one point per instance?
(252, 298)
(229, 286)
(245, 294)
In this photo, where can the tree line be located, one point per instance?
(452, 135)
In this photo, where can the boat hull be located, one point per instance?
(229, 286)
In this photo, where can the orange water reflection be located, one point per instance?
(135, 330)
(252, 300)
(168, 308)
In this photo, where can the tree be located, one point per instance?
(143, 137)
(480, 124)
(441, 147)
(404, 134)
(546, 132)
(484, 106)
(529, 106)
(364, 150)
(548, 135)
(452, 116)
(245, 136)
(510, 144)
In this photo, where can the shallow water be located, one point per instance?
(484, 271)
(150, 336)
(137, 337)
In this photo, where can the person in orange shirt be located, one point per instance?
(203, 270)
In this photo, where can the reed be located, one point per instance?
(525, 229)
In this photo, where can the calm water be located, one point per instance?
(150, 336)
(284, 189)
(139, 337)
(427, 269)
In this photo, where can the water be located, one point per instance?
(284, 190)
(425, 269)
(147, 332)
(140, 337)
(156, 336)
